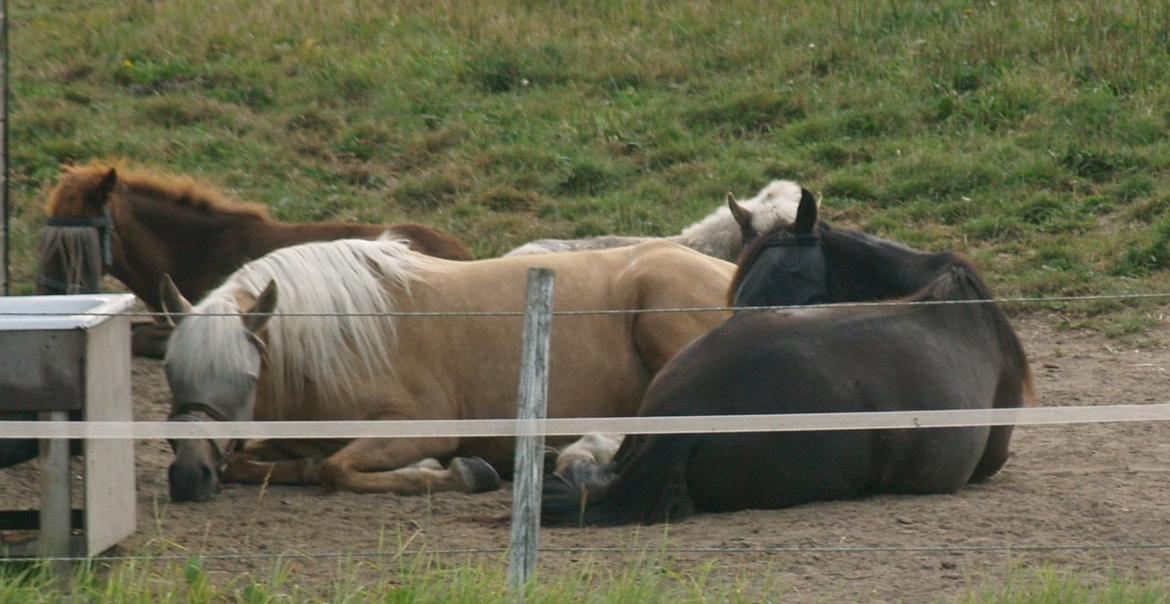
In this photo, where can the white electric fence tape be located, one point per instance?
(702, 424)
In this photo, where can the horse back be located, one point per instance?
(599, 362)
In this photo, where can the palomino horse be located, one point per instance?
(722, 234)
(355, 362)
(149, 224)
(885, 358)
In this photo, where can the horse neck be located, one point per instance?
(870, 269)
(197, 245)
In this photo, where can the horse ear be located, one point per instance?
(742, 215)
(173, 303)
(263, 308)
(806, 213)
(100, 195)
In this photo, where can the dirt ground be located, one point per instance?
(1092, 485)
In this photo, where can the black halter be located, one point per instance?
(186, 412)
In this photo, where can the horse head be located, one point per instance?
(785, 266)
(211, 382)
(808, 262)
(77, 242)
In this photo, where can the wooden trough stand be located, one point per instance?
(64, 365)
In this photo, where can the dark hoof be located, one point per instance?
(550, 459)
(478, 475)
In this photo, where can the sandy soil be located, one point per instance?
(1064, 486)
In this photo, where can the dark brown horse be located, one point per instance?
(888, 358)
(150, 224)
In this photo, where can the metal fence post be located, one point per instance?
(526, 479)
(5, 244)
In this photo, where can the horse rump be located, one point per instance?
(646, 485)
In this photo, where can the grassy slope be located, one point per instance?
(1030, 137)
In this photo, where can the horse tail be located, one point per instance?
(647, 485)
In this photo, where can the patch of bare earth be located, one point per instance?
(1065, 487)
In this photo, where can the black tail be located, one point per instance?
(646, 486)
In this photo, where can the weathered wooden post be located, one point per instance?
(56, 502)
(526, 478)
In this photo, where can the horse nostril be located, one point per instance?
(192, 482)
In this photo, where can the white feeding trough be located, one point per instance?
(68, 357)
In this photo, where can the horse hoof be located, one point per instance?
(478, 475)
(551, 454)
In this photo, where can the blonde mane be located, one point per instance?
(719, 235)
(78, 181)
(347, 284)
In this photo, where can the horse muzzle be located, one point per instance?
(194, 480)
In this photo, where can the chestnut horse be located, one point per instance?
(369, 365)
(885, 358)
(150, 224)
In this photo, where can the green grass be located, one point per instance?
(416, 578)
(646, 577)
(1029, 136)
(1051, 586)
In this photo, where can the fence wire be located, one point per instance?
(622, 311)
(664, 549)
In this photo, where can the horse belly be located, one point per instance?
(777, 470)
(606, 382)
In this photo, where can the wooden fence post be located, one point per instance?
(529, 469)
(56, 517)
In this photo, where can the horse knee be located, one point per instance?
(333, 473)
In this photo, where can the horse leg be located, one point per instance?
(1010, 394)
(289, 462)
(995, 453)
(581, 462)
(373, 465)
